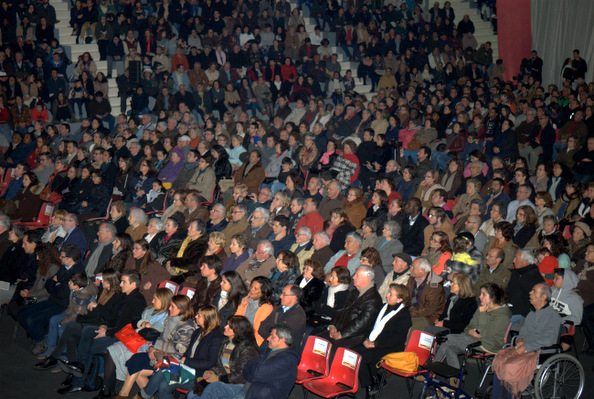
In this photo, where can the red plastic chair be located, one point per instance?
(419, 342)
(4, 180)
(315, 360)
(103, 218)
(173, 286)
(187, 291)
(43, 219)
(342, 379)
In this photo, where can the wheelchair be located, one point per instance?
(558, 375)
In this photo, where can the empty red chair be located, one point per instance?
(419, 342)
(174, 287)
(102, 218)
(342, 379)
(315, 360)
(43, 219)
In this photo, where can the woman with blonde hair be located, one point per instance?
(216, 246)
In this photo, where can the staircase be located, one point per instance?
(63, 33)
(483, 32)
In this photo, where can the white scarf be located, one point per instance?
(381, 321)
(333, 291)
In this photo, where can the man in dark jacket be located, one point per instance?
(413, 227)
(95, 339)
(524, 276)
(289, 313)
(35, 318)
(352, 323)
(208, 284)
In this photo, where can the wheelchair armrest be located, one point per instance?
(550, 350)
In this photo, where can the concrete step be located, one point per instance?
(60, 6)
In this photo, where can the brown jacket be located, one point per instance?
(154, 274)
(253, 179)
(138, 232)
(355, 210)
(432, 298)
(199, 213)
(232, 229)
(327, 205)
(446, 227)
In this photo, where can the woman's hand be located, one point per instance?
(207, 375)
(368, 344)
(439, 323)
(24, 293)
(151, 353)
(92, 306)
(147, 286)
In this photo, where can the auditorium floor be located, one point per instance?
(18, 378)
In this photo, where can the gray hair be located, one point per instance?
(367, 271)
(221, 208)
(424, 264)
(265, 213)
(267, 247)
(324, 236)
(531, 111)
(355, 236)
(110, 227)
(4, 221)
(159, 224)
(305, 230)
(528, 256)
(546, 291)
(241, 208)
(130, 142)
(479, 201)
(139, 215)
(283, 331)
(395, 229)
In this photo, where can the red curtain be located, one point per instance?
(514, 31)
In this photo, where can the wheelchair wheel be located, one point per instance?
(559, 377)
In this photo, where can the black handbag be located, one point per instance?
(150, 334)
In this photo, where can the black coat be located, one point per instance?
(412, 237)
(460, 315)
(103, 257)
(129, 311)
(103, 314)
(520, 284)
(355, 319)
(321, 314)
(310, 294)
(206, 354)
(294, 317)
(192, 254)
(59, 290)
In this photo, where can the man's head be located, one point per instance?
(196, 229)
(130, 281)
(320, 240)
(494, 258)
(31, 240)
(303, 235)
(352, 244)
(311, 205)
(259, 217)
(280, 226)
(192, 201)
(412, 207)
(264, 250)
(363, 277)
(540, 295)
(472, 224)
(217, 213)
(291, 295)
(210, 266)
(333, 190)
(420, 268)
(239, 212)
(69, 254)
(281, 337)
(401, 262)
(106, 232)
(524, 192)
(523, 258)
(437, 216)
(69, 222)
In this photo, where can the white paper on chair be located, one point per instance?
(171, 287)
(425, 341)
(320, 347)
(349, 359)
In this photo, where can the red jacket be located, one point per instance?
(312, 220)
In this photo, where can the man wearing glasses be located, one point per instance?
(74, 235)
(289, 312)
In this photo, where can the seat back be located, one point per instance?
(420, 343)
(45, 214)
(187, 291)
(173, 286)
(345, 368)
(316, 356)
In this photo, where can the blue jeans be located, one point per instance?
(515, 318)
(35, 318)
(88, 346)
(498, 389)
(440, 160)
(218, 390)
(55, 329)
(158, 384)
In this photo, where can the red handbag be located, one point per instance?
(130, 338)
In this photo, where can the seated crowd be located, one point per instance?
(284, 201)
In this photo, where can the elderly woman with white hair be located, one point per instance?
(389, 243)
(138, 220)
